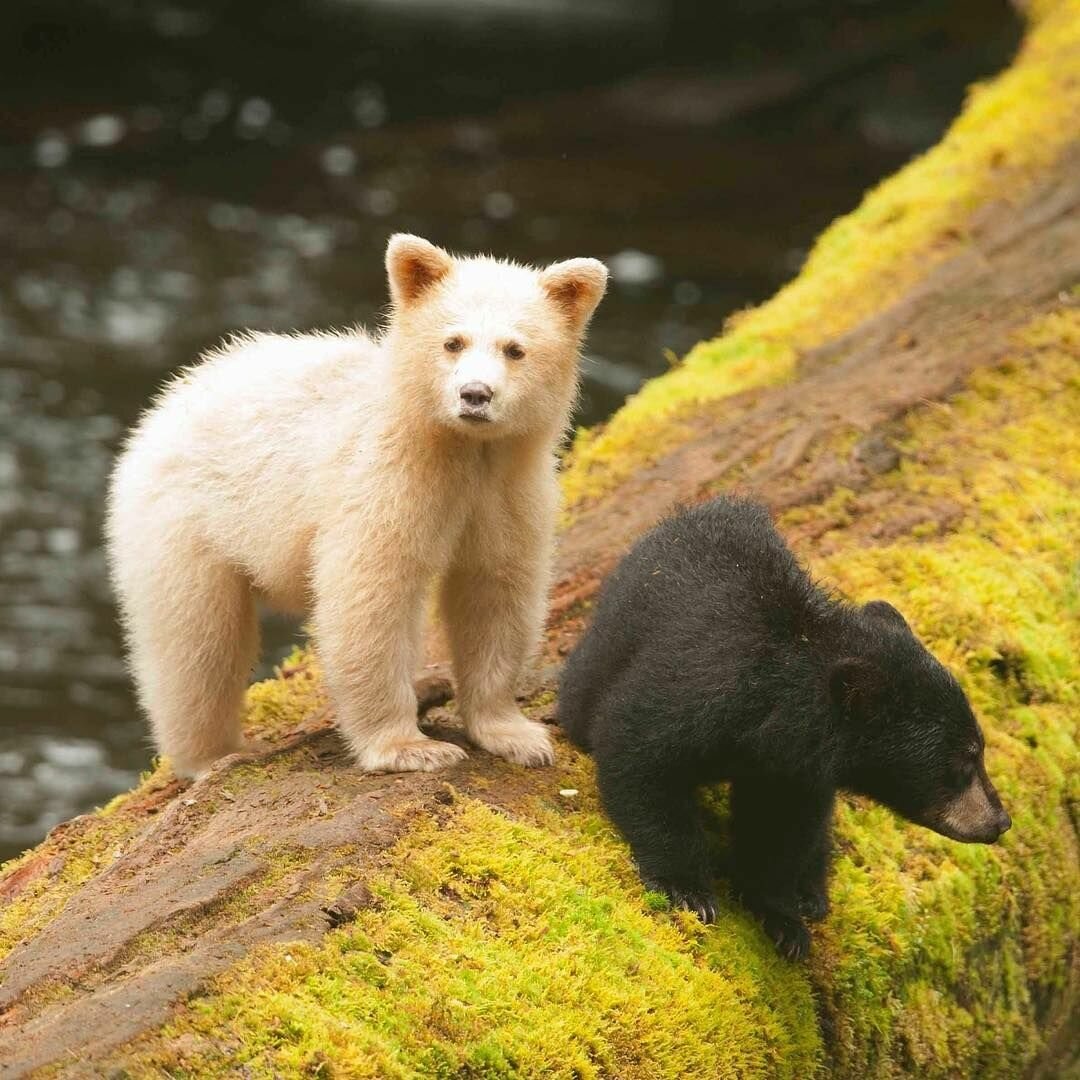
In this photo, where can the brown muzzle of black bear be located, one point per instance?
(975, 816)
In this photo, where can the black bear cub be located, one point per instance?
(713, 656)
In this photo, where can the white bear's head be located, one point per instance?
(488, 348)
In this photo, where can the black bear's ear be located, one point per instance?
(852, 684)
(882, 609)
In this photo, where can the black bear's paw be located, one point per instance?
(790, 936)
(699, 899)
(813, 905)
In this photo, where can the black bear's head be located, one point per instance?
(912, 741)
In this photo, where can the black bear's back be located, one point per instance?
(696, 609)
(730, 554)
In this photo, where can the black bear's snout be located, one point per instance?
(989, 833)
(476, 394)
(975, 815)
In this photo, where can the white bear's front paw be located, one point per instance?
(515, 738)
(417, 753)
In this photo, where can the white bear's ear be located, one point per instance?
(413, 265)
(575, 286)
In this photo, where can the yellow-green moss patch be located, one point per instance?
(941, 955)
(278, 706)
(507, 948)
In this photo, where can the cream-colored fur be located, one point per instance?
(335, 475)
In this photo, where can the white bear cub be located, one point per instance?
(334, 475)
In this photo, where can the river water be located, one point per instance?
(169, 174)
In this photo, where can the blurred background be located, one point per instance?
(172, 171)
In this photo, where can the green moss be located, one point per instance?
(939, 955)
(1010, 129)
(539, 703)
(278, 706)
(508, 948)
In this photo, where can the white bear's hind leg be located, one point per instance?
(194, 638)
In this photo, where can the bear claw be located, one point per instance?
(699, 900)
(790, 936)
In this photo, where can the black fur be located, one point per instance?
(712, 656)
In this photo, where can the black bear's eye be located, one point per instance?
(961, 774)
(454, 344)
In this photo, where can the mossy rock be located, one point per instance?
(289, 917)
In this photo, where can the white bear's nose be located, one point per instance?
(476, 394)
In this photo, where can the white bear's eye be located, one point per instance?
(454, 344)
(513, 351)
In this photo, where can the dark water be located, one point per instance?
(169, 172)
